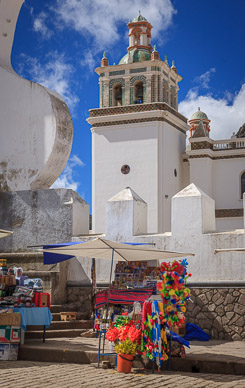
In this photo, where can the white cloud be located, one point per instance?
(227, 114)
(89, 61)
(203, 80)
(55, 73)
(100, 19)
(66, 179)
(40, 25)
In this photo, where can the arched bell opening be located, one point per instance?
(165, 92)
(117, 95)
(138, 92)
(173, 98)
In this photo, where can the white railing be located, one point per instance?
(235, 143)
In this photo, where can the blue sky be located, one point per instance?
(58, 43)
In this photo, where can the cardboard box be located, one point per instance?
(13, 352)
(13, 319)
(4, 352)
(15, 334)
(5, 333)
(9, 352)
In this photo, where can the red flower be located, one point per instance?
(113, 334)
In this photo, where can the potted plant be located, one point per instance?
(127, 338)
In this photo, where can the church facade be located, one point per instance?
(139, 140)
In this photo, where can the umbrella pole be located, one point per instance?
(107, 305)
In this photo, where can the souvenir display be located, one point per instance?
(146, 327)
(18, 294)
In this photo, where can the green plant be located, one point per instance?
(127, 347)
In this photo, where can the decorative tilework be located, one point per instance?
(131, 95)
(139, 70)
(123, 96)
(216, 157)
(223, 213)
(132, 121)
(137, 78)
(100, 112)
(118, 72)
(110, 97)
(102, 93)
(116, 80)
(153, 88)
(200, 145)
(155, 68)
(158, 83)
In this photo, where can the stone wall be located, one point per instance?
(80, 299)
(219, 312)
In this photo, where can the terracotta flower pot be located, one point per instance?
(124, 363)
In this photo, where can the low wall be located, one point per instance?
(80, 299)
(220, 312)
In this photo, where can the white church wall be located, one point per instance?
(114, 147)
(227, 187)
(187, 236)
(80, 214)
(173, 146)
(229, 223)
(201, 174)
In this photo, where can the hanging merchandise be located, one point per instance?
(174, 292)
(154, 340)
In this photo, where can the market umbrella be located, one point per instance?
(5, 233)
(101, 248)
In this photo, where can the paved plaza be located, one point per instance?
(23, 374)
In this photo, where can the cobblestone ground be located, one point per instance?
(24, 374)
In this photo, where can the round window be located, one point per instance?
(125, 169)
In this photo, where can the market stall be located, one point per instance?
(22, 303)
(128, 256)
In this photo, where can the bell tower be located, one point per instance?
(138, 135)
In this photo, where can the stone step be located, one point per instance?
(60, 308)
(197, 363)
(62, 325)
(80, 316)
(32, 353)
(70, 333)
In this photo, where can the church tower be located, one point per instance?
(138, 135)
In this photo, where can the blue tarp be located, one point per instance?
(194, 332)
(180, 340)
(54, 258)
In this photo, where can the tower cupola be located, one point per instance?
(199, 123)
(140, 48)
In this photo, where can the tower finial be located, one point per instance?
(139, 12)
(155, 47)
(104, 54)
